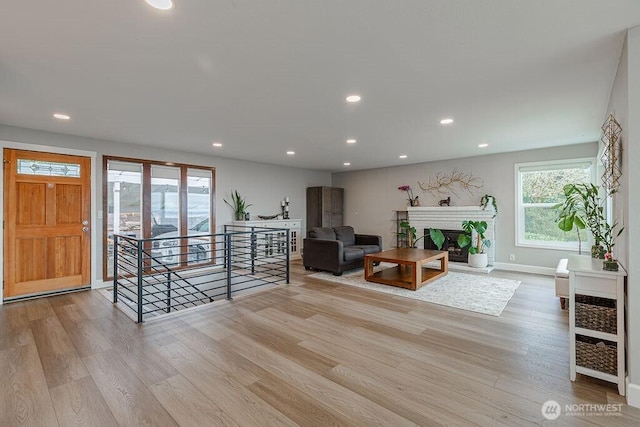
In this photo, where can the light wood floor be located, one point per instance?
(308, 353)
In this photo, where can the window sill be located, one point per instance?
(552, 247)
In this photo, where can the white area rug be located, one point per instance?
(479, 293)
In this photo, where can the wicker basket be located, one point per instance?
(599, 355)
(596, 314)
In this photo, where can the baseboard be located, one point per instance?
(633, 395)
(522, 268)
(101, 284)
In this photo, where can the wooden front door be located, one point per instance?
(47, 205)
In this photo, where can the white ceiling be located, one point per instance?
(264, 77)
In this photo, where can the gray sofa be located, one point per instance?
(337, 249)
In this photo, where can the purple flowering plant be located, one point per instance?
(407, 188)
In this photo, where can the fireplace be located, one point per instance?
(456, 253)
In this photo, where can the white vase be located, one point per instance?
(478, 260)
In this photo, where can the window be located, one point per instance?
(539, 188)
(165, 204)
(149, 199)
(47, 168)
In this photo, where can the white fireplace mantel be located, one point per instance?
(451, 217)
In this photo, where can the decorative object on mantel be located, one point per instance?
(487, 200)
(285, 208)
(413, 201)
(477, 256)
(239, 205)
(266, 217)
(611, 131)
(445, 202)
(443, 183)
(436, 235)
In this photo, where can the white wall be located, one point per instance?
(263, 185)
(372, 196)
(619, 106)
(625, 103)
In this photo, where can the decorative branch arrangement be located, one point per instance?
(448, 183)
(611, 131)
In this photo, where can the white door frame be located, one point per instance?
(96, 223)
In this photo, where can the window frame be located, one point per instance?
(520, 240)
(146, 199)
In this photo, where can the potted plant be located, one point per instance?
(489, 200)
(609, 236)
(436, 235)
(582, 209)
(474, 231)
(413, 201)
(238, 204)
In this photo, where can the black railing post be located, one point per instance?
(288, 244)
(168, 292)
(227, 243)
(225, 246)
(254, 248)
(140, 271)
(115, 268)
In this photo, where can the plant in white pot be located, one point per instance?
(474, 233)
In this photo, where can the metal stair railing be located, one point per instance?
(153, 278)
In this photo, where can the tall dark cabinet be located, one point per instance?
(324, 207)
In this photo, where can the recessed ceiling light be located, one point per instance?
(217, 144)
(446, 121)
(160, 4)
(61, 116)
(291, 153)
(351, 141)
(347, 163)
(353, 98)
(483, 145)
(403, 156)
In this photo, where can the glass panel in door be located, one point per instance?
(124, 203)
(165, 215)
(199, 215)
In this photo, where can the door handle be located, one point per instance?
(85, 229)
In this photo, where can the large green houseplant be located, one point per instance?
(583, 209)
(238, 204)
(477, 256)
(411, 233)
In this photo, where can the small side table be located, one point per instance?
(596, 320)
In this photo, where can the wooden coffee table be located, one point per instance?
(409, 272)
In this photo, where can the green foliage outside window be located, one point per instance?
(541, 190)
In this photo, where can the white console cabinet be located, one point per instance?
(596, 320)
(293, 225)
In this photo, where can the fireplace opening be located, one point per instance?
(456, 253)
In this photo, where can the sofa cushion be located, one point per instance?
(368, 249)
(352, 253)
(346, 234)
(322, 233)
